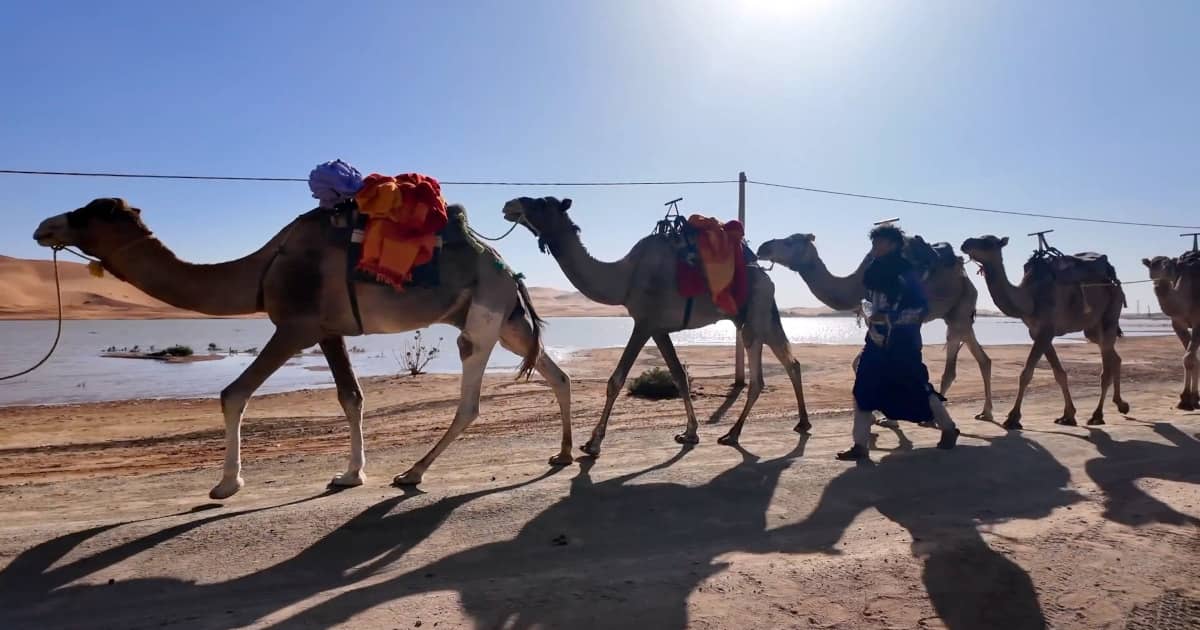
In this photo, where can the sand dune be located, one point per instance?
(27, 292)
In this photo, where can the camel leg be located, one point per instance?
(954, 342)
(615, 383)
(475, 344)
(663, 341)
(351, 398)
(1106, 377)
(1191, 372)
(1035, 354)
(777, 341)
(282, 346)
(754, 348)
(1060, 376)
(1122, 405)
(985, 371)
(516, 337)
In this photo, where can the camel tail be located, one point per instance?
(535, 350)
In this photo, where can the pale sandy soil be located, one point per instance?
(106, 523)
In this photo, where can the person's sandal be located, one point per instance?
(854, 453)
(949, 439)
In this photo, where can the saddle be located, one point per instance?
(1190, 260)
(1085, 268)
(926, 257)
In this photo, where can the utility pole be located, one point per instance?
(739, 353)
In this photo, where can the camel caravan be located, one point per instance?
(383, 254)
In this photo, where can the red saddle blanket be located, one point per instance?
(721, 269)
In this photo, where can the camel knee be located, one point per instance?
(1190, 361)
(351, 399)
(233, 402)
(614, 385)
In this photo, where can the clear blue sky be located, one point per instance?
(1075, 107)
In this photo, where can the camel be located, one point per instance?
(1052, 310)
(1177, 288)
(951, 297)
(644, 282)
(299, 278)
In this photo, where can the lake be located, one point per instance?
(77, 372)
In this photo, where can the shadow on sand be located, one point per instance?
(589, 559)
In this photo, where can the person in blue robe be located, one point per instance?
(891, 377)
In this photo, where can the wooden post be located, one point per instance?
(739, 353)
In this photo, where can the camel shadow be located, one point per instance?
(43, 597)
(735, 391)
(589, 559)
(1121, 463)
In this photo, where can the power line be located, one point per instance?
(934, 204)
(303, 179)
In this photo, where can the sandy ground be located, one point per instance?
(106, 522)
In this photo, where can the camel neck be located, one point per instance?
(1012, 300)
(228, 288)
(843, 293)
(599, 281)
(1168, 295)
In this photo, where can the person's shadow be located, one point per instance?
(589, 559)
(942, 498)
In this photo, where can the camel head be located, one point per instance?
(985, 249)
(101, 227)
(1162, 267)
(796, 252)
(546, 217)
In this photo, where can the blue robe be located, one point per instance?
(892, 377)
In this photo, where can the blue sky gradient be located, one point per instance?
(1087, 108)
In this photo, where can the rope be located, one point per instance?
(934, 204)
(303, 179)
(498, 238)
(58, 332)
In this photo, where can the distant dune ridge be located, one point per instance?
(27, 292)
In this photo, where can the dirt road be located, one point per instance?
(106, 525)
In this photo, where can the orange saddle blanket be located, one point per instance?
(404, 215)
(722, 269)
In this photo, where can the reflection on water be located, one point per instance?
(77, 372)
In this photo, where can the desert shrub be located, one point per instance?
(417, 355)
(179, 351)
(655, 383)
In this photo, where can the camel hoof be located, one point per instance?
(409, 478)
(727, 440)
(590, 449)
(348, 480)
(1186, 405)
(562, 459)
(687, 438)
(986, 416)
(1066, 422)
(803, 427)
(1013, 423)
(226, 488)
(1122, 406)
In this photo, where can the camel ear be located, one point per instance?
(1004, 241)
(1146, 261)
(809, 237)
(564, 205)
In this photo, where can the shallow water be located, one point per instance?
(77, 372)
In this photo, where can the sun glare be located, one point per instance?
(776, 9)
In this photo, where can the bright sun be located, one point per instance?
(781, 8)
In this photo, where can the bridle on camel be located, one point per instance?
(93, 265)
(58, 331)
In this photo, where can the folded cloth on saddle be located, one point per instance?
(721, 256)
(404, 214)
(1190, 259)
(1084, 267)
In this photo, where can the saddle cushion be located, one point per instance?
(1190, 260)
(926, 256)
(1084, 267)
